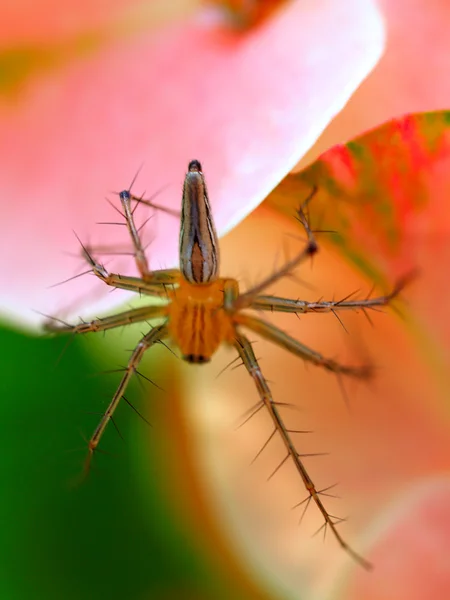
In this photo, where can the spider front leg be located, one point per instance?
(155, 335)
(310, 248)
(159, 207)
(128, 317)
(153, 287)
(132, 284)
(245, 350)
(276, 304)
(139, 252)
(150, 282)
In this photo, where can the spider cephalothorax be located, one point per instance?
(203, 311)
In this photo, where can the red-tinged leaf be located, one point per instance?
(385, 194)
(381, 192)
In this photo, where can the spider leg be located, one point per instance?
(139, 254)
(154, 287)
(127, 317)
(169, 211)
(276, 304)
(244, 348)
(279, 337)
(311, 247)
(151, 338)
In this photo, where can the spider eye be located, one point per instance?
(196, 358)
(195, 165)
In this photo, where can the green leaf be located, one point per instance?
(118, 534)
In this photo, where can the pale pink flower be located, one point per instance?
(92, 103)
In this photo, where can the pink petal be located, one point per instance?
(412, 554)
(247, 105)
(410, 77)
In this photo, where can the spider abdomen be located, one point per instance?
(197, 322)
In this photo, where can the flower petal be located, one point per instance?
(248, 105)
(412, 555)
(409, 77)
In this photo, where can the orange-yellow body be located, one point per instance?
(197, 319)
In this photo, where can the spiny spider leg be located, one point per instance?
(154, 287)
(169, 211)
(139, 254)
(279, 337)
(276, 304)
(244, 348)
(135, 315)
(151, 338)
(203, 311)
(246, 300)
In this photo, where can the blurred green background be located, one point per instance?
(127, 531)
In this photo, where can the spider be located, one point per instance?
(203, 311)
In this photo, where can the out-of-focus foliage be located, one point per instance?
(119, 534)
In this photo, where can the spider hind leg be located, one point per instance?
(154, 336)
(245, 350)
